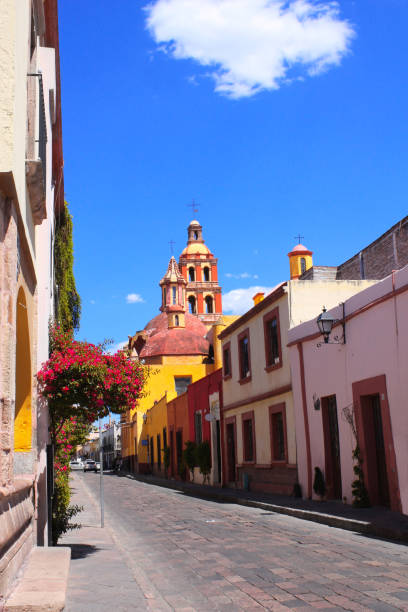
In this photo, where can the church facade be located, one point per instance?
(180, 344)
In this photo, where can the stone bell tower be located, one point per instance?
(173, 287)
(199, 268)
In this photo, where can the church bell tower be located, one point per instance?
(199, 269)
(173, 287)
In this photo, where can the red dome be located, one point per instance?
(188, 340)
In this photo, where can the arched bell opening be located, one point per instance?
(209, 305)
(192, 305)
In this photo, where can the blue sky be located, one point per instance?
(276, 118)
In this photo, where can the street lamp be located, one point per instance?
(325, 323)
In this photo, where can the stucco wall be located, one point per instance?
(377, 341)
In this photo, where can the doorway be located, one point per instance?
(231, 452)
(331, 447)
(376, 442)
(375, 450)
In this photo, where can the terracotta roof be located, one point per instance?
(188, 340)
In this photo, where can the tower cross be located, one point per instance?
(299, 238)
(194, 206)
(172, 243)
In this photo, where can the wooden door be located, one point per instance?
(331, 447)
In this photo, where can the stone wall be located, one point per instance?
(389, 252)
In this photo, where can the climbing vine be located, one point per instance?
(68, 303)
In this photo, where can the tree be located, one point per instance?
(203, 454)
(189, 457)
(81, 383)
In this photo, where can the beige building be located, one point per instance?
(258, 423)
(31, 191)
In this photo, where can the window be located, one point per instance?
(226, 355)
(277, 415)
(176, 320)
(209, 304)
(158, 451)
(151, 451)
(248, 436)
(244, 358)
(191, 304)
(195, 235)
(164, 437)
(273, 351)
(302, 265)
(164, 296)
(206, 274)
(181, 383)
(191, 275)
(174, 290)
(198, 427)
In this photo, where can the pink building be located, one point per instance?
(355, 393)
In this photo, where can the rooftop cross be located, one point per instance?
(299, 238)
(194, 206)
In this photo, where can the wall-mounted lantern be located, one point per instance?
(325, 323)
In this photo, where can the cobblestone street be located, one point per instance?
(162, 550)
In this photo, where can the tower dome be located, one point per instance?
(300, 260)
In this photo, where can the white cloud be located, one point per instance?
(134, 298)
(241, 275)
(239, 301)
(252, 45)
(117, 347)
(92, 302)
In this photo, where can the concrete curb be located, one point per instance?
(363, 527)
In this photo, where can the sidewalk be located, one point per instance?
(99, 577)
(375, 521)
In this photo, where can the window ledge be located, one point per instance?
(274, 366)
(227, 376)
(243, 381)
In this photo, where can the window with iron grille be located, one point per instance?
(158, 451)
(243, 348)
(198, 427)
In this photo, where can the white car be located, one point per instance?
(76, 464)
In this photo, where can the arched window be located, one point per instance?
(302, 265)
(174, 295)
(164, 296)
(209, 304)
(191, 304)
(195, 235)
(207, 274)
(191, 275)
(176, 320)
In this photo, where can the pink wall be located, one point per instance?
(377, 344)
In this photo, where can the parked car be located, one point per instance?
(76, 464)
(90, 466)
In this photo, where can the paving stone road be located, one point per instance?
(175, 552)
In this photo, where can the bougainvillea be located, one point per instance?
(80, 380)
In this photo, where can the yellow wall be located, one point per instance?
(156, 420)
(22, 421)
(295, 264)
